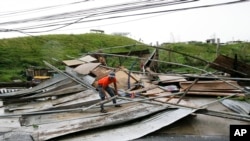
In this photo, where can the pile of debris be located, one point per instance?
(69, 103)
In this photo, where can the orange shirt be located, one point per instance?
(105, 81)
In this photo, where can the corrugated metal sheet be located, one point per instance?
(88, 79)
(136, 130)
(241, 107)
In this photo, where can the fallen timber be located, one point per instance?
(43, 134)
(202, 70)
(214, 64)
(67, 115)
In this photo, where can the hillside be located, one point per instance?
(202, 53)
(17, 54)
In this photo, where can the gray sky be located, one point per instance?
(228, 22)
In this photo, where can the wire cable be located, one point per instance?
(147, 13)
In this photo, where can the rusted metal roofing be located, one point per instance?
(231, 66)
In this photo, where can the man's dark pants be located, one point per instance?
(102, 95)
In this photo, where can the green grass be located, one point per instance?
(205, 53)
(17, 54)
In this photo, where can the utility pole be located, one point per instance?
(218, 47)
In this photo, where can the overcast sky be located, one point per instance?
(227, 22)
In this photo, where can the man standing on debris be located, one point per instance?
(103, 85)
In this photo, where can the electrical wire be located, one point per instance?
(78, 20)
(147, 13)
(111, 9)
(25, 11)
(118, 9)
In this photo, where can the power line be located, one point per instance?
(81, 20)
(147, 13)
(110, 9)
(139, 6)
(25, 11)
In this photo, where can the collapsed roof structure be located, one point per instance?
(69, 103)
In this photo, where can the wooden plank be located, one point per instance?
(214, 93)
(209, 85)
(88, 58)
(42, 77)
(175, 100)
(73, 62)
(122, 80)
(222, 90)
(100, 72)
(132, 74)
(171, 79)
(86, 68)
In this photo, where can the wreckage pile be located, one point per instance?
(69, 103)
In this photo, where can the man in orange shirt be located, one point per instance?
(103, 88)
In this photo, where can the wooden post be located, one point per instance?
(157, 58)
(218, 47)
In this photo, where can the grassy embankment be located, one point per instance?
(19, 53)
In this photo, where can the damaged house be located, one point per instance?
(66, 106)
